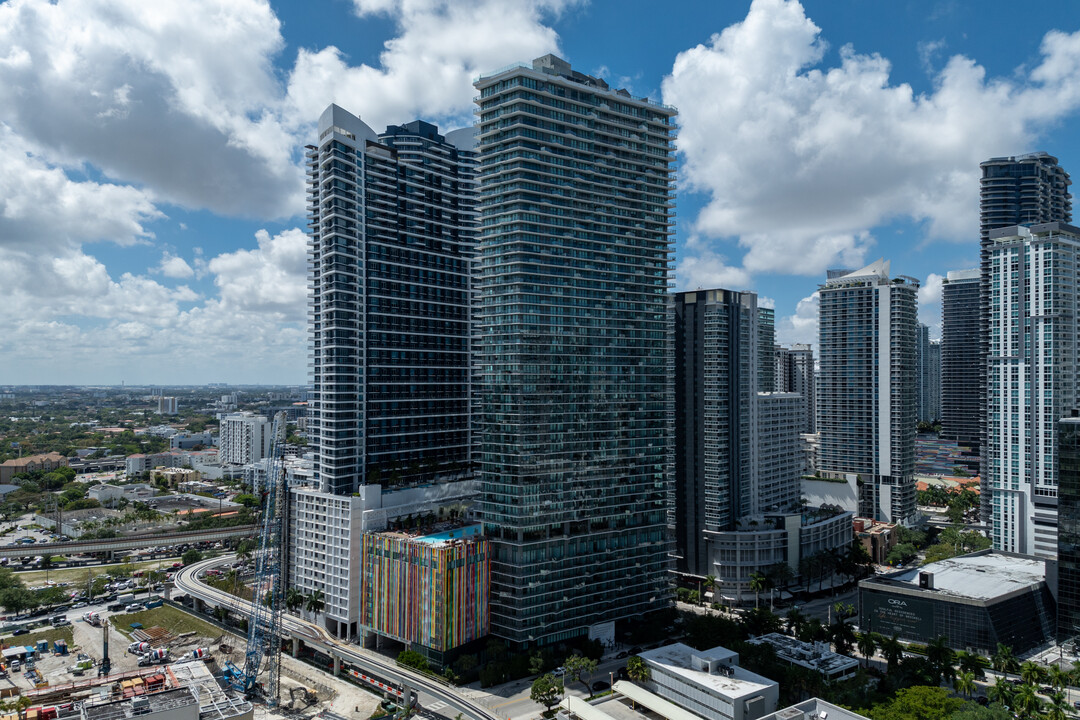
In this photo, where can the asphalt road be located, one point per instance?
(436, 699)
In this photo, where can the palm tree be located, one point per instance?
(1059, 707)
(1031, 673)
(1003, 660)
(795, 620)
(314, 603)
(965, 684)
(941, 657)
(842, 635)
(1026, 701)
(636, 669)
(808, 566)
(781, 574)
(1001, 692)
(867, 646)
(972, 663)
(892, 650)
(294, 598)
(758, 582)
(827, 565)
(244, 549)
(1058, 678)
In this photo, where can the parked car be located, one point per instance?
(135, 607)
(600, 685)
(622, 655)
(19, 631)
(559, 671)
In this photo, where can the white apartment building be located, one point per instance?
(866, 391)
(244, 438)
(780, 457)
(709, 683)
(1034, 273)
(325, 531)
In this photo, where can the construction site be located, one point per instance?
(159, 662)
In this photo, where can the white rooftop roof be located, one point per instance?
(981, 576)
(661, 706)
(812, 655)
(676, 659)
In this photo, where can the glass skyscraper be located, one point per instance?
(392, 220)
(717, 334)
(574, 425)
(959, 344)
(1068, 564)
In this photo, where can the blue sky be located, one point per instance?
(151, 195)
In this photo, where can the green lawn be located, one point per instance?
(77, 576)
(50, 634)
(175, 620)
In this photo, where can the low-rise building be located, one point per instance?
(878, 538)
(196, 486)
(107, 495)
(173, 477)
(976, 601)
(429, 591)
(709, 683)
(814, 709)
(31, 463)
(814, 656)
(760, 542)
(137, 464)
(190, 441)
(325, 532)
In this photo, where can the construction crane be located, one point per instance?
(268, 601)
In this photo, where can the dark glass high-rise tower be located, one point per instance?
(1068, 539)
(575, 415)
(960, 410)
(716, 379)
(392, 221)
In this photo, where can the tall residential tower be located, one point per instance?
(867, 387)
(574, 452)
(1031, 378)
(392, 219)
(1015, 190)
(960, 409)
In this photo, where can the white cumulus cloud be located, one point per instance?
(802, 326)
(427, 69)
(801, 160)
(173, 266)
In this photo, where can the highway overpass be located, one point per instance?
(343, 652)
(130, 542)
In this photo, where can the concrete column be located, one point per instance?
(337, 666)
(296, 647)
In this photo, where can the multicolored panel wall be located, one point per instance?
(435, 595)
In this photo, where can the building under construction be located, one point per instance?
(184, 691)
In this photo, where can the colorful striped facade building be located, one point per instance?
(429, 591)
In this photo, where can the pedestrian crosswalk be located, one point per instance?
(436, 706)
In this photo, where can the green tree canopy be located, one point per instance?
(546, 691)
(581, 669)
(918, 703)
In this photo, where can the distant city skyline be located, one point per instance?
(153, 226)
